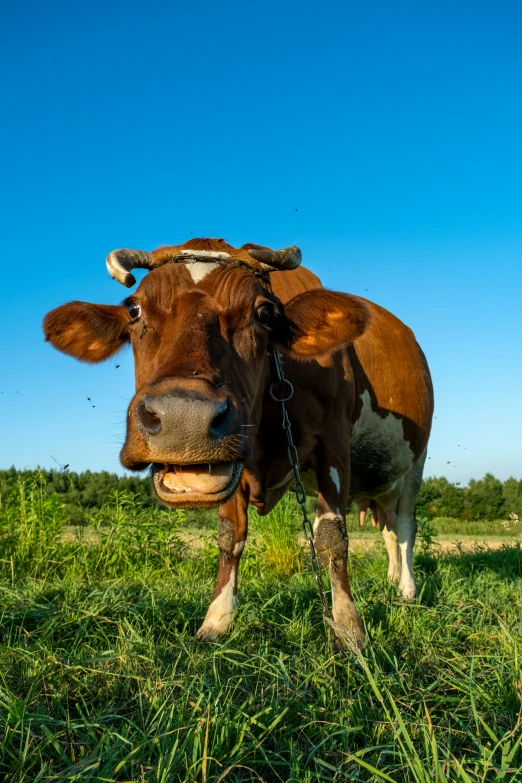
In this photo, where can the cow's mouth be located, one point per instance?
(197, 485)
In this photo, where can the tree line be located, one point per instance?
(84, 492)
(484, 499)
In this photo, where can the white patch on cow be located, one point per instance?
(200, 269)
(382, 436)
(407, 583)
(238, 548)
(392, 549)
(220, 612)
(334, 475)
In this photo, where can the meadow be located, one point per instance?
(101, 678)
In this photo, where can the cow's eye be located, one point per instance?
(264, 314)
(134, 310)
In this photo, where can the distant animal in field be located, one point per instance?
(202, 418)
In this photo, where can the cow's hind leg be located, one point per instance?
(232, 533)
(396, 515)
(387, 516)
(407, 526)
(331, 543)
(384, 513)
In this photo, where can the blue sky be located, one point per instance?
(384, 138)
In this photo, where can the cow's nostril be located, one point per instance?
(220, 424)
(149, 418)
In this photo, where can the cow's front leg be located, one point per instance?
(331, 543)
(232, 533)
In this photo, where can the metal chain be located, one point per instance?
(299, 490)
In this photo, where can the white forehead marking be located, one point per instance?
(200, 269)
(334, 475)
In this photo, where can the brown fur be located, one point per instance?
(91, 333)
(327, 320)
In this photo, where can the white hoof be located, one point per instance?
(217, 621)
(209, 633)
(408, 590)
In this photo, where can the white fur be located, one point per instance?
(334, 475)
(219, 615)
(405, 536)
(394, 556)
(200, 269)
(386, 435)
(406, 527)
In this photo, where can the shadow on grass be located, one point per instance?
(55, 616)
(506, 562)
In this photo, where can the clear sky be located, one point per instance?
(385, 138)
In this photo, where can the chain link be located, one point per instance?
(299, 491)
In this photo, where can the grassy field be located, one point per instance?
(102, 679)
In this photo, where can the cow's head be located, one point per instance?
(199, 324)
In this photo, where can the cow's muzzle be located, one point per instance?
(180, 419)
(192, 440)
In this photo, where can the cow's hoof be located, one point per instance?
(408, 591)
(350, 637)
(209, 633)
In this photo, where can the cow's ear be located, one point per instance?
(88, 332)
(322, 321)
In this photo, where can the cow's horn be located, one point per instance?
(120, 262)
(287, 258)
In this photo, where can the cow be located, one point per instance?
(202, 419)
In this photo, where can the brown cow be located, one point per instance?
(199, 324)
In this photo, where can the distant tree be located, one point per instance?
(512, 491)
(452, 502)
(429, 498)
(439, 498)
(83, 492)
(484, 499)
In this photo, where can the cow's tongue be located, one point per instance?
(204, 478)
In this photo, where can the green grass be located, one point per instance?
(101, 678)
